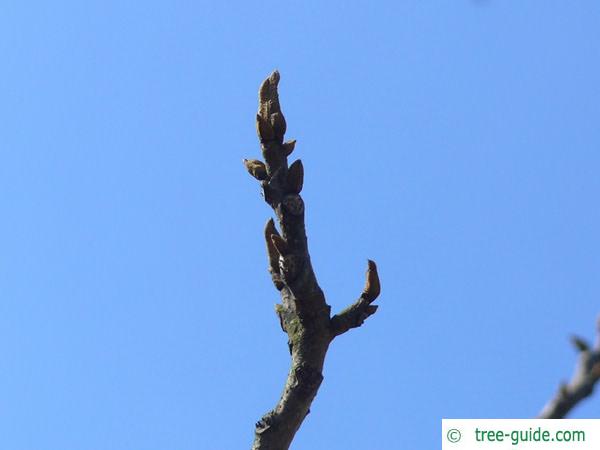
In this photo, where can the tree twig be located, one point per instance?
(303, 312)
(581, 386)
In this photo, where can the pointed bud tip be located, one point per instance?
(288, 147)
(295, 178)
(270, 228)
(372, 285)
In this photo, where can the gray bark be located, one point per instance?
(303, 312)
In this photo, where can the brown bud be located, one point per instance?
(272, 252)
(280, 244)
(278, 124)
(295, 177)
(264, 129)
(268, 98)
(268, 88)
(288, 147)
(372, 285)
(256, 168)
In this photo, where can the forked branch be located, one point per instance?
(303, 312)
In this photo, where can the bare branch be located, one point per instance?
(581, 386)
(303, 312)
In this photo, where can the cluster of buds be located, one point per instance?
(281, 184)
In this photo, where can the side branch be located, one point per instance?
(581, 386)
(355, 315)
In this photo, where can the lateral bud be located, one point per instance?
(256, 168)
(272, 252)
(288, 147)
(372, 285)
(295, 177)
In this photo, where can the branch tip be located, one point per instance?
(268, 96)
(274, 78)
(355, 315)
(372, 285)
(269, 86)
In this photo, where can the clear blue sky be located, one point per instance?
(454, 142)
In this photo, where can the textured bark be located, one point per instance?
(581, 386)
(303, 312)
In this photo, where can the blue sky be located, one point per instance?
(454, 142)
